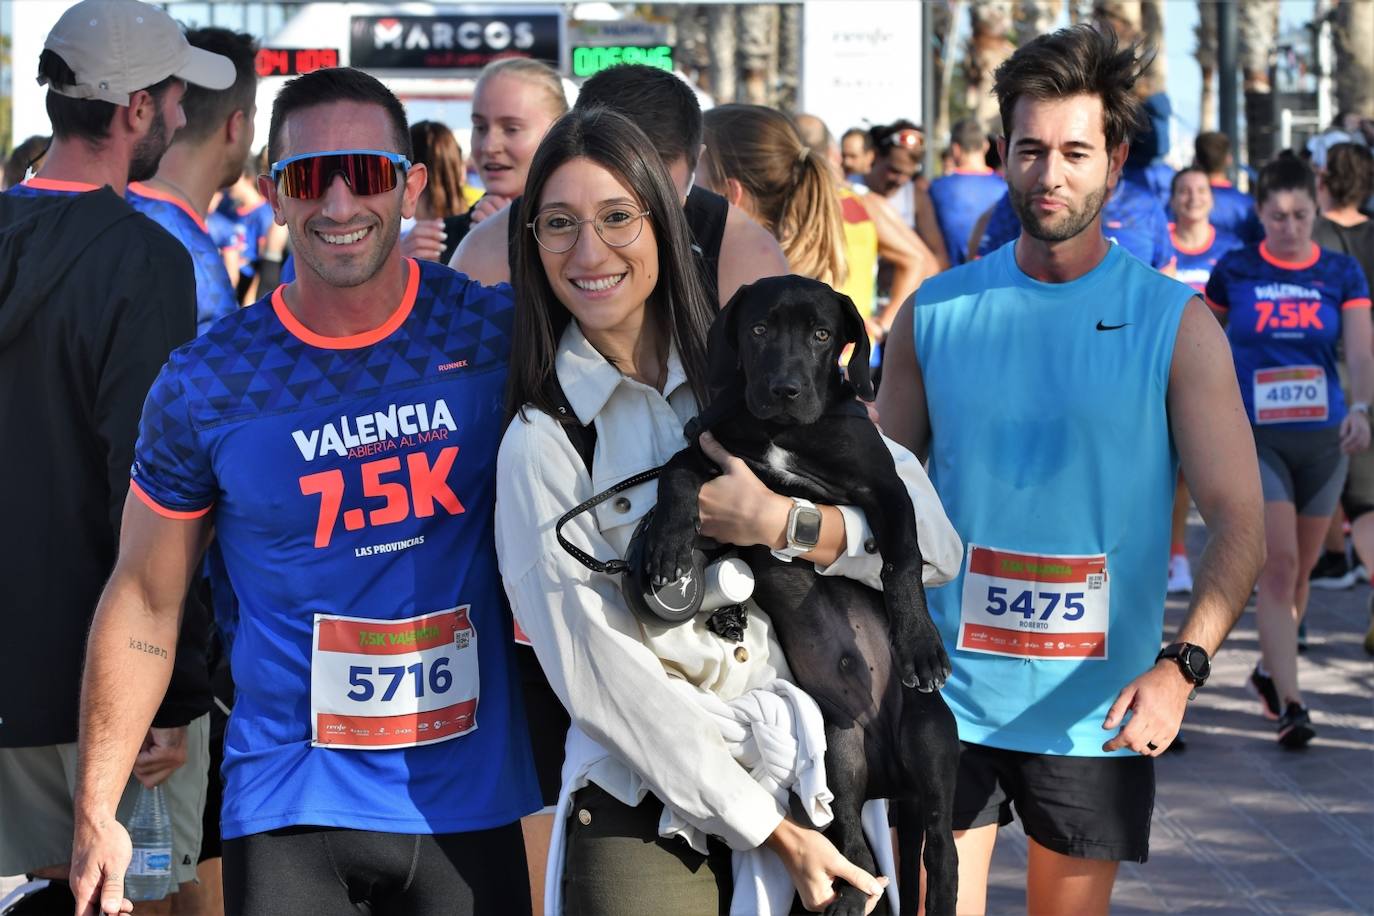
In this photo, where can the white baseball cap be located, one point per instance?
(117, 47)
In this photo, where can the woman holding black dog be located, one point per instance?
(611, 326)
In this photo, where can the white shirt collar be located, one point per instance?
(589, 380)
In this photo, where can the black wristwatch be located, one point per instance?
(1192, 660)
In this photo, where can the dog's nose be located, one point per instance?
(788, 390)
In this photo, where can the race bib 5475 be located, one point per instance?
(1034, 605)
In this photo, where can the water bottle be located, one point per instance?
(150, 872)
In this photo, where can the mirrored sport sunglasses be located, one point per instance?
(367, 171)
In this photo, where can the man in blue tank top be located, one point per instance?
(341, 438)
(1040, 380)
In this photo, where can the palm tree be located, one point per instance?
(1036, 17)
(1257, 25)
(988, 46)
(1207, 62)
(1137, 21)
(1354, 41)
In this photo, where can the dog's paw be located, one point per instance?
(849, 901)
(921, 658)
(668, 553)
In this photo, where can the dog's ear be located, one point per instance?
(854, 332)
(722, 346)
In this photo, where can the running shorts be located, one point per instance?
(36, 789)
(1085, 807)
(1304, 467)
(335, 870)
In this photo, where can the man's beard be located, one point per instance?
(1071, 222)
(148, 151)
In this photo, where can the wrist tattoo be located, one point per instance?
(147, 647)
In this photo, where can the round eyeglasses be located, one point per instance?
(556, 231)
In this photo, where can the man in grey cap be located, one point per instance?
(93, 298)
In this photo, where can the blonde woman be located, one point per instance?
(756, 159)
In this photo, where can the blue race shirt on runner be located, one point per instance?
(1233, 211)
(1283, 320)
(1050, 449)
(351, 482)
(1131, 217)
(1195, 265)
(214, 294)
(960, 197)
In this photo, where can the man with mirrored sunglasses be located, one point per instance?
(340, 435)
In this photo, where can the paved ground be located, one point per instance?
(1242, 826)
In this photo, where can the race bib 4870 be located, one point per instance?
(1034, 605)
(393, 683)
(1290, 394)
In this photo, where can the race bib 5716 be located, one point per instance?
(393, 683)
(1029, 605)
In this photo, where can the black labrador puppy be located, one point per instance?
(778, 401)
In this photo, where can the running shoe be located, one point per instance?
(1332, 572)
(1180, 575)
(1262, 685)
(1295, 727)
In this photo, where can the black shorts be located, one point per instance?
(1086, 807)
(331, 870)
(1303, 467)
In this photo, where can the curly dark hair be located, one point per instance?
(1079, 60)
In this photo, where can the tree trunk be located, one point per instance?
(988, 46)
(1152, 30)
(789, 57)
(1036, 17)
(946, 14)
(1257, 22)
(1354, 41)
(757, 31)
(1206, 33)
(720, 25)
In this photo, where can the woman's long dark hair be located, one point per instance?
(678, 302)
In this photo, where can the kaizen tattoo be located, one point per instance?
(148, 647)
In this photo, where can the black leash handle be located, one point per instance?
(611, 566)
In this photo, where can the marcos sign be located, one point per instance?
(452, 42)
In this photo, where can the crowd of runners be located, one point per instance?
(298, 416)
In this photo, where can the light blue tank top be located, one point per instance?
(1051, 451)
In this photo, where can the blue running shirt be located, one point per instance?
(351, 482)
(250, 230)
(960, 197)
(1131, 218)
(1195, 265)
(1233, 211)
(1284, 320)
(1051, 451)
(214, 295)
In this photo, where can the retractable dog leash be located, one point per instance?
(724, 583)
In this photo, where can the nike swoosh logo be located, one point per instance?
(1109, 327)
